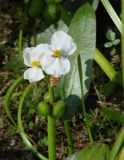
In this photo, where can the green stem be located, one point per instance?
(83, 103)
(8, 95)
(51, 138)
(20, 125)
(105, 65)
(20, 43)
(51, 131)
(119, 143)
(122, 44)
(69, 138)
(87, 122)
(112, 14)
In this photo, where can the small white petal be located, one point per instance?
(62, 41)
(58, 67)
(44, 49)
(36, 53)
(26, 56)
(33, 74)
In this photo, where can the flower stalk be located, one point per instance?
(69, 138)
(51, 131)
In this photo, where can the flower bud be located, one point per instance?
(58, 109)
(44, 109)
(36, 7)
(48, 97)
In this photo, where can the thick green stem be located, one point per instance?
(69, 138)
(51, 131)
(51, 138)
(105, 65)
(119, 143)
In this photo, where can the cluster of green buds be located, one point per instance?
(46, 9)
(48, 107)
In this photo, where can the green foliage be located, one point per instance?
(96, 151)
(36, 8)
(113, 41)
(83, 31)
(54, 1)
(113, 114)
(51, 13)
(121, 156)
(117, 145)
(15, 64)
(45, 37)
(58, 109)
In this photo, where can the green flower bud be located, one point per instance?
(48, 97)
(58, 109)
(36, 7)
(44, 109)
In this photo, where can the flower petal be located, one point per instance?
(36, 53)
(44, 49)
(62, 41)
(26, 56)
(58, 67)
(46, 54)
(33, 74)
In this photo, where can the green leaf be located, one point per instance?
(110, 35)
(121, 157)
(83, 31)
(108, 44)
(45, 37)
(119, 143)
(116, 42)
(94, 151)
(113, 114)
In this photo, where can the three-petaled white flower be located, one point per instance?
(33, 58)
(62, 46)
(53, 58)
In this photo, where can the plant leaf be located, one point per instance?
(94, 151)
(45, 37)
(83, 31)
(110, 35)
(113, 114)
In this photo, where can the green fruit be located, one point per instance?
(44, 109)
(48, 97)
(58, 109)
(36, 8)
(51, 13)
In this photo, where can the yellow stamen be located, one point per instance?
(35, 63)
(57, 53)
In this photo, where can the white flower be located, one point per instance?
(34, 57)
(62, 46)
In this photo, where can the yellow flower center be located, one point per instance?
(57, 53)
(35, 63)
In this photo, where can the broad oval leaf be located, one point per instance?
(96, 151)
(83, 31)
